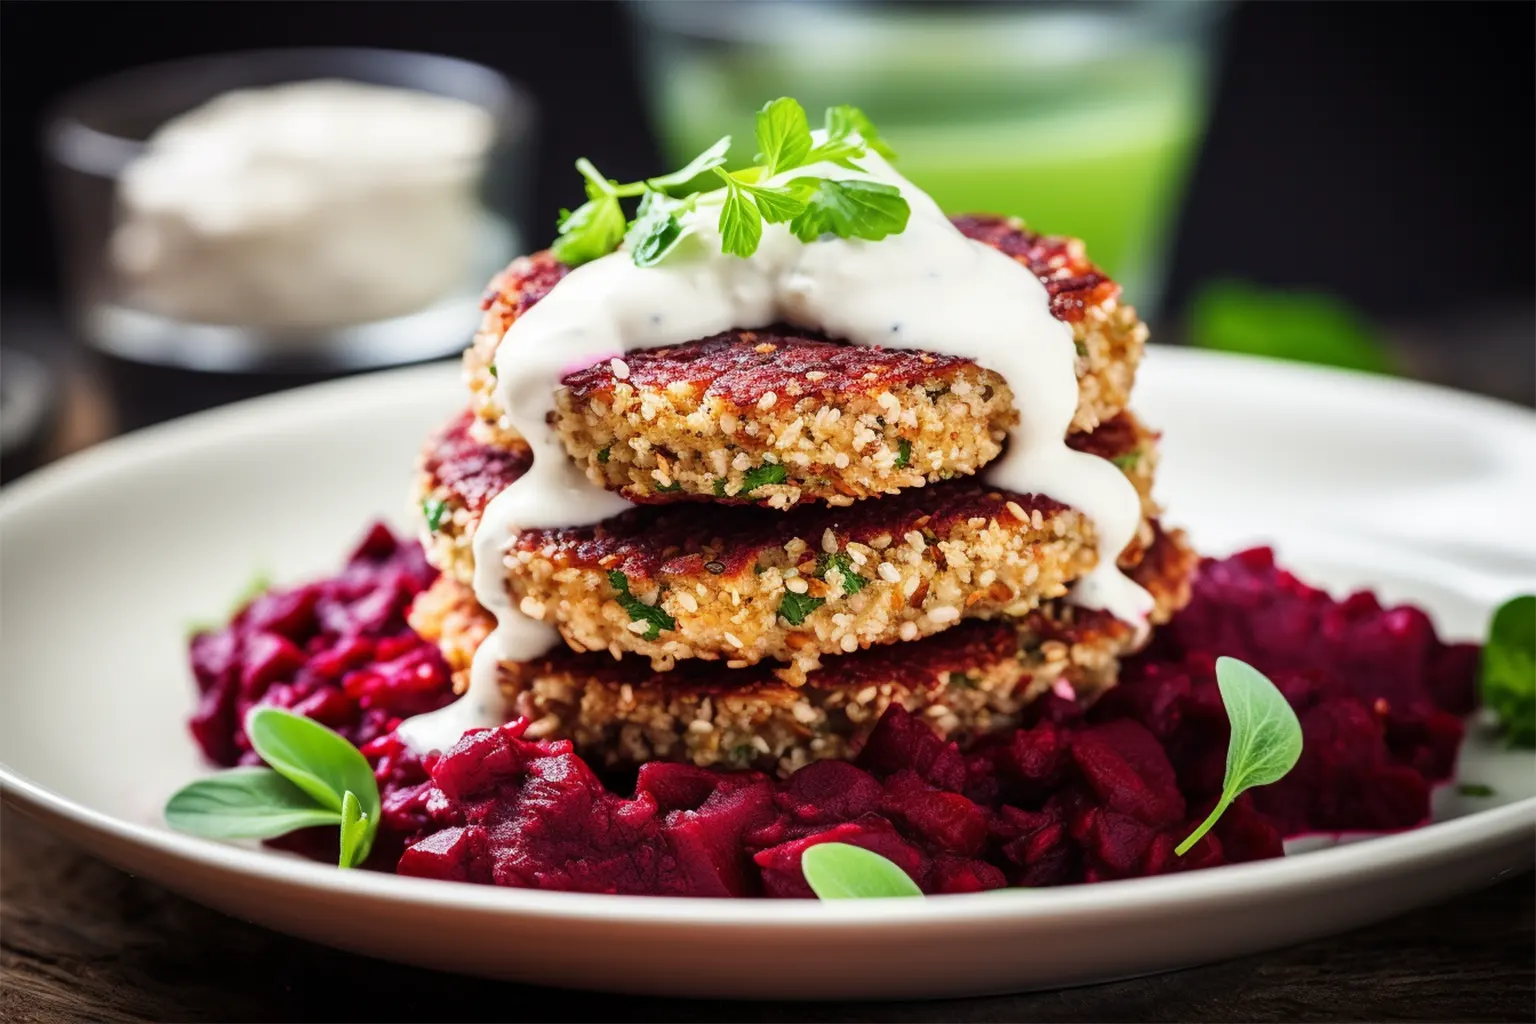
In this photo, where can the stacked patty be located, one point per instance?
(863, 558)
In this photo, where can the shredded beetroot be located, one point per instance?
(337, 650)
(1078, 795)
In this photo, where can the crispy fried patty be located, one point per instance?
(683, 581)
(966, 681)
(779, 415)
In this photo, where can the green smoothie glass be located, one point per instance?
(1080, 118)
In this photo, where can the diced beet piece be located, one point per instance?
(902, 741)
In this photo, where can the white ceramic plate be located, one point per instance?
(1423, 493)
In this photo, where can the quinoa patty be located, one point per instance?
(778, 416)
(966, 682)
(681, 582)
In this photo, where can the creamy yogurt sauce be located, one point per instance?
(929, 288)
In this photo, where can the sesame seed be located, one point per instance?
(767, 401)
(829, 541)
(849, 643)
(687, 600)
(620, 368)
(732, 639)
(943, 613)
(795, 585)
(816, 375)
(531, 608)
(890, 573)
(1018, 512)
(639, 626)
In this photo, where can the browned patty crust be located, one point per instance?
(682, 581)
(966, 681)
(778, 415)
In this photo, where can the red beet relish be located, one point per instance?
(1075, 795)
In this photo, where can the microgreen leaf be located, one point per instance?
(654, 615)
(433, 511)
(708, 160)
(355, 827)
(795, 607)
(657, 229)
(312, 757)
(593, 229)
(845, 121)
(903, 453)
(783, 135)
(1476, 789)
(244, 803)
(778, 204)
(839, 871)
(766, 475)
(1265, 742)
(812, 206)
(1508, 675)
(849, 209)
(741, 226)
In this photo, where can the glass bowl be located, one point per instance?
(205, 278)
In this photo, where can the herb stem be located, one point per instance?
(592, 174)
(1205, 826)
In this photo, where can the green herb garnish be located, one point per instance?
(316, 778)
(1478, 789)
(603, 453)
(671, 488)
(433, 510)
(762, 476)
(812, 206)
(841, 563)
(903, 453)
(838, 871)
(795, 607)
(1265, 742)
(1508, 675)
(654, 615)
(719, 488)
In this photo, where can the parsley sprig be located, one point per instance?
(812, 206)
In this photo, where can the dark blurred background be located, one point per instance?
(1381, 155)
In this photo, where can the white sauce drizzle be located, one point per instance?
(928, 288)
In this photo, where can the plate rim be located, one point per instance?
(1236, 882)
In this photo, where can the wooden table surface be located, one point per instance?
(84, 941)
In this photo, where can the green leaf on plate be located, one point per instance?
(1265, 742)
(244, 803)
(356, 827)
(1508, 675)
(317, 760)
(838, 871)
